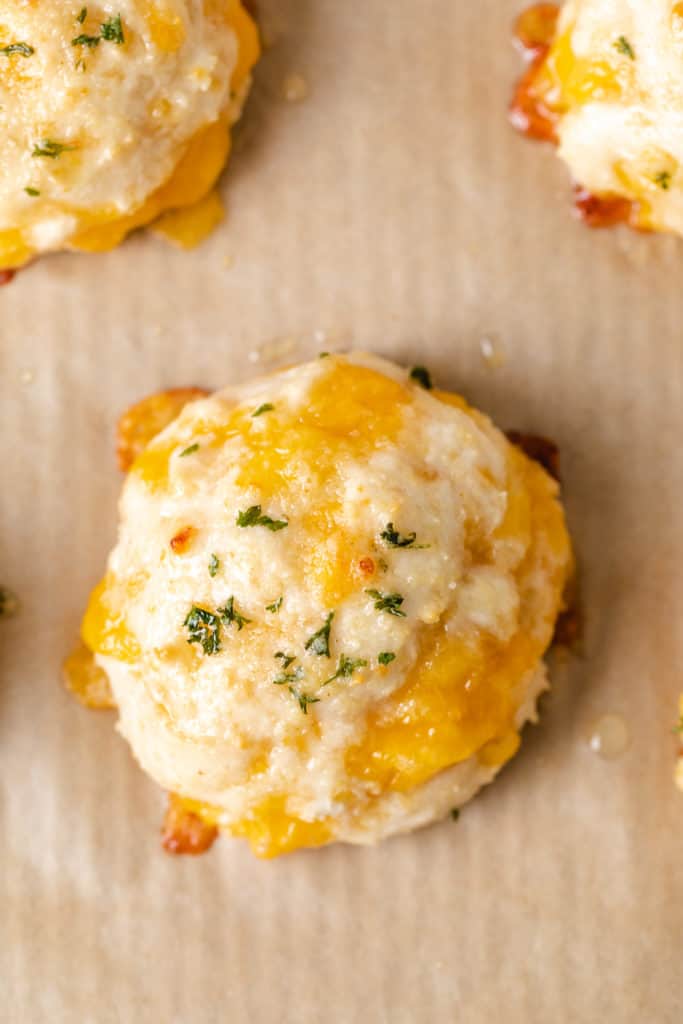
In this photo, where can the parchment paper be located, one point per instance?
(391, 209)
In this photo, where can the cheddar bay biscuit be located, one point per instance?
(326, 612)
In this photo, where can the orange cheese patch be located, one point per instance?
(104, 629)
(463, 693)
(141, 423)
(293, 454)
(86, 680)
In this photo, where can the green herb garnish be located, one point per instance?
(287, 678)
(303, 699)
(385, 657)
(346, 667)
(276, 605)
(623, 46)
(319, 643)
(286, 659)
(389, 603)
(229, 614)
(50, 148)
(253, 517)
(204, 628)
(21, 48)
(85, 40)
(266, 407)
(31, 191)
(214, 565)
(112, 30)
(421, 376)
(663, 180)
(393, 539)
(189, 451)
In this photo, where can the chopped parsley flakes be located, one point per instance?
(389, 603)
(679, 728)
(303, 698)
(346, 667)
(266, 407)
(421, 376)
(85, 40)
(111, 31)
(204, 628)
(623, 46)
(214, 565)
(189, 451)
(276, 605)
(663, 180)
(319, 643)
(286, 678)
(385, 657)
(31, 191)
(253, 517)
(51, 149)
(393, 539)
(23, 49)
(229, 614)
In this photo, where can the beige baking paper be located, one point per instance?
(393, 209)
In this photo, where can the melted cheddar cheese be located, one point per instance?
(106, 137)
(379, 572)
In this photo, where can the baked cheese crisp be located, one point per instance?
(114, 115)
(326, 612)
(610, 90)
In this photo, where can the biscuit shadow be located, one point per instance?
(287, 32)
(597, 502)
